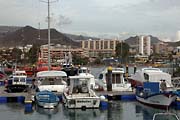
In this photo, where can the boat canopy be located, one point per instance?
(151, 75)
(79, 84)
(52, 73)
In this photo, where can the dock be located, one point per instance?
(26, 97)
(117, 95)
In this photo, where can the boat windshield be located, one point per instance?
(80, 86)
(82, 71)
(16, 79)
(52, 81)
(22, 79)
(101, 76)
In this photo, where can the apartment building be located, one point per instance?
(96, 48)
(57, 52)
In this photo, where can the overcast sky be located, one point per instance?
(100, 18)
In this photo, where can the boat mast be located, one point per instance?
(49, 32)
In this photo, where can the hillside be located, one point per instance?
(80, 37)
(29, 35)
(134, 40)
(174, 44)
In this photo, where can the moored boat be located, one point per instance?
(118, 80)
(19, 82)
(151, 95)
(79, 94)
(149, 75)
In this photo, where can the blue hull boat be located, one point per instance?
(46, 99)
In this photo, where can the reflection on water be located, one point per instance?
(88, 114)
(48, 112)
(117, 110)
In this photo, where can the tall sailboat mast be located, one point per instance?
(49, 38)
(49, 33)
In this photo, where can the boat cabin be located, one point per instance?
(83, 70)
(79, 84)
(149, 75)
(117, 75)
(118, 81)
(19, 77)
(19, 82)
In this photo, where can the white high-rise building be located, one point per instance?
(178, 36)
(141, 45)
(148, 45)
(144, 45)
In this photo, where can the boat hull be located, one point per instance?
(158, 100)
(80, 102)
(17, 88)
(126, 87)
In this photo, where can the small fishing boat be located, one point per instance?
(118, 80)
(46, 99)
(165, 116)
(151, 95)
(79, 94)
(54, 81)
(19, 82)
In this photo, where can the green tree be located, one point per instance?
(97, 61)
(16, 55)
(122, 51)
(33, 54)
(78, 60)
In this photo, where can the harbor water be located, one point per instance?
(117, 110)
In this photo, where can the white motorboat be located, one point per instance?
(151, 95)
(19, 82)
(118, 81)
(165, 116)
(46, 99)
(149, 75)
(54, 81)
(79, 94)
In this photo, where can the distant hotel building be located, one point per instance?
(160, 48)
(96, 48)
(57, 52)
(144, 49)
(145, 45)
